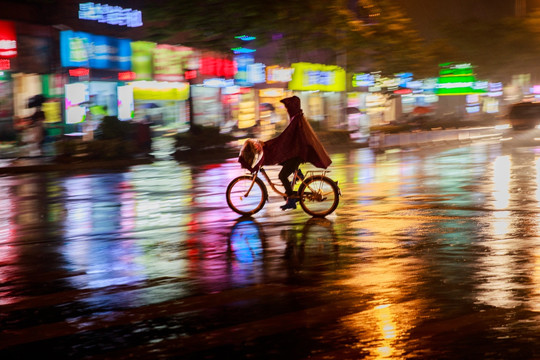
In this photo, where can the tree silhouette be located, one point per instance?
(357, 34)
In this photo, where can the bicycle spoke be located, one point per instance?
(319, 196)
(245, 196)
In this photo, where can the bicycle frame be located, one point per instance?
(296, 177)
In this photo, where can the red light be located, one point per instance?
(190, 74)
(217, 67)
(5, 64)
(79, 72)
(126, 76)
(8, 39)
(403, 91)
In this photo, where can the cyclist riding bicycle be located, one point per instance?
(297, 144)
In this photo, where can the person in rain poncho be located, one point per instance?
(297, 144)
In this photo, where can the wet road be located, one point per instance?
(430, 254)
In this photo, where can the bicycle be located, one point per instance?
(318, 194)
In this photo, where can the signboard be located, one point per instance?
(52, 110)
(312, 77)
(458, 79)
(53, 85)
(156, 90)
(242, 62)
(276, 74)
(141, 59)
(108, 14)
(126, 104)
(363, 80)
(76, 100)
(256, 73)
(8, 39)
(80, 49)
(5, 64)
(170, 61)
(217, 67)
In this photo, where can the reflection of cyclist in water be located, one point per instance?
(316, 233)
(311, 248)
(246, 240)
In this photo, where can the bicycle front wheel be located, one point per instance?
(242, 202)
(319, 195)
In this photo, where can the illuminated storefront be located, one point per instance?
(215, 95)
(161, 90)
(162, 104)
(94, 62)
(8, 50)
(458, 90)
(208, 109)
(321, 89)
(272, 113)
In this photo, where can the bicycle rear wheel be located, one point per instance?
(319, 195)
(250, 204)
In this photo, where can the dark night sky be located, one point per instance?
(428, 13)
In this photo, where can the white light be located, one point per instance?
(112, 15)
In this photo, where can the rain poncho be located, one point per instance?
(297, 140)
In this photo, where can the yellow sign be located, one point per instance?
(312, 77)
(52, 112)
(155, 90)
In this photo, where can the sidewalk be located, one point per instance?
(16, 160)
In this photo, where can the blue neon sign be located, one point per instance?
(80, 49)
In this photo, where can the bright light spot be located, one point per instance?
(384, 351)
(501, 181)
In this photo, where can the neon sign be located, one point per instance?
(217, 67)
(79, 72)
(108, 14)
(317, 77)
(242, 50)
(8, 42)
(313, 77)
(362, 79)
(126, 76)
(245, 37)
(5, 64)
(190, 74)
(79, 49)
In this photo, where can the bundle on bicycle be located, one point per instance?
(317, 194)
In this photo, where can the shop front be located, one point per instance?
(161, 104)
(214, 93)
(458, 90)
(8, 51)
(161, 91)
(273, 116)
(208, 109)
(94, 90)
(321, 88)
(89, 98)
